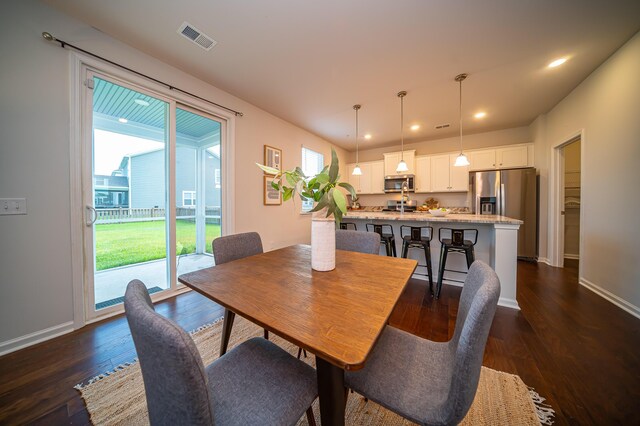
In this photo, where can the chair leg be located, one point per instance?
(387, 246)
(443, 260)
(266, 334)
(299, 352)
(310, 417)
(393, 248)
(405, 249)
(427, 255)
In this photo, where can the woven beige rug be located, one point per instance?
(118, 397)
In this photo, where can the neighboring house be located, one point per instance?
(147, 178)
(111, 191)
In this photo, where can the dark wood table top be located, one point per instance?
(337, 315)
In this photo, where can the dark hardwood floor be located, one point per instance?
(576, 349)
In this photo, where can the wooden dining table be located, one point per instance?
(337, 315)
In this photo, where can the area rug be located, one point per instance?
(118, 397)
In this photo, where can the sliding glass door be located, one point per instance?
(152, 182)
(198, 188)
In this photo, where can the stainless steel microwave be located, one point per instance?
(393, 183)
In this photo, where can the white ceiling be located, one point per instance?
(308, 61)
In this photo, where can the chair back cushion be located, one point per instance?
(237, 246)
(172, 370)
(360, 241)
(477, 307)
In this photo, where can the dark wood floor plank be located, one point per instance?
(576, 349)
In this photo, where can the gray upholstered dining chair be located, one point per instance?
(257, 382)
(433, 383)
(230, 248)
(360, 241)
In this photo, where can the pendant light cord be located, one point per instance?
(402, 127)
(460, 113)
(357, 148)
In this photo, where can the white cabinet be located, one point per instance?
(482, 160)
(391, 160)
(445, 177)
(515, 156)
(377, 177)
(501, 158)
(371, 181)
(423, 174)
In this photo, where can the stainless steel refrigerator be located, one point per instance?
(512, 193)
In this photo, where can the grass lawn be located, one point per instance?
(120, 244)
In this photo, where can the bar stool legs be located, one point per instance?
(461, 241)
(416, 238)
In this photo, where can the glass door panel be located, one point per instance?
(198, 189)
(128, 193)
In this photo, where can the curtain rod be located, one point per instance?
(47, 36)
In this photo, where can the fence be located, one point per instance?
(120, 215)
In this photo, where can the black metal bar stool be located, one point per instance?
(346, 225)
(418, 237)
(386, 238)
(461, 241)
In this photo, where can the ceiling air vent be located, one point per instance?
(196, 36)
(442, 126)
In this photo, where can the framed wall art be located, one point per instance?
(272, 197)
(272, 157)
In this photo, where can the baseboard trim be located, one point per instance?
(36, 337)
(544, 260)
(507, 303)
(616, 300)
(572, 256)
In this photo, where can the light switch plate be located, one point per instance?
(9, 206)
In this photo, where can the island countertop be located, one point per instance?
(428, 217)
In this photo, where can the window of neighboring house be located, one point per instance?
(188, 198)
(217, 178)
(312, 164)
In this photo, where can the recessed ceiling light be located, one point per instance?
(367, 136)
(557, 62)
(480, 114)
(141, 102)
(415, 127)
(123, 120)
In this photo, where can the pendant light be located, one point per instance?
(461, 160)
(356, 169)
(402, 166)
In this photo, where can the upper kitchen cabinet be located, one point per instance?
(371, 181)
(391, 160)
(513, 156)
(482, 160)
(423, 174)
(445, 177)
(501, 158)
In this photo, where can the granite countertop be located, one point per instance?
(428, 217)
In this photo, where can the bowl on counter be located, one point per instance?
(439, 212)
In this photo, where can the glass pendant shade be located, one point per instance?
(357, 171)
(402, 167)
(461, 160)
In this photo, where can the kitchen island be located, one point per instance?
(497, 244)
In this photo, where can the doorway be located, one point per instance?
(152, 191)
(571, 206)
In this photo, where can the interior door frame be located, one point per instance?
(556, 198)
(79, 64)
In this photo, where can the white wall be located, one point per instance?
(516, 135)
(606, 107)
(35, 260)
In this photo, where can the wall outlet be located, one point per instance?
(13, 206)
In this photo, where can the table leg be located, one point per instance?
(331, 393)
(226, 330)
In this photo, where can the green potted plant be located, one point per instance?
(331, 204)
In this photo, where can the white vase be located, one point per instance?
(323, 242)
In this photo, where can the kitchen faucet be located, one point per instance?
(403, 187)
